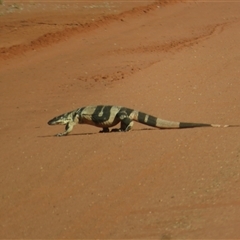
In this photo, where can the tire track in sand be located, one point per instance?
(58, 36)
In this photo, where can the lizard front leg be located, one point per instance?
(68, 128)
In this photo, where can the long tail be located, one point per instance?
(160, 123)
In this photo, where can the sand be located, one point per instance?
(178, 61)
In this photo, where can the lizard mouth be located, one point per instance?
(52, 122)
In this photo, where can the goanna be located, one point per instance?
(106, 116)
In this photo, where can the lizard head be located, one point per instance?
(62, 119)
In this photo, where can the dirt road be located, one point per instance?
(175, 61)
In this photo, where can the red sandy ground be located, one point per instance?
(176, 61)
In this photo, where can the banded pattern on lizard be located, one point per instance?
(106, 116)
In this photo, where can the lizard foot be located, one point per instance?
(116, 130)
(60, 134)
(104, 130)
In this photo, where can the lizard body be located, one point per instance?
(106, 116)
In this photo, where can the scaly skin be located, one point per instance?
(106, 116)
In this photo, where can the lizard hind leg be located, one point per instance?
(126, 124)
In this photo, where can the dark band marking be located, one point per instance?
(127, 110)
(192, 125)
(141, 117)
(151, 120)
(101, 114)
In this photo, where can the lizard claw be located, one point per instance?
(60, 135)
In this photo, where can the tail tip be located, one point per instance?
(218, 125)
(222, 126)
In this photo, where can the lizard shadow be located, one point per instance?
(93, 133)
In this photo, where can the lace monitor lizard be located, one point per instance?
(106, 116)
